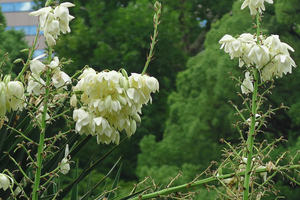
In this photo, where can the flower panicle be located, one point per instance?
(111, 103)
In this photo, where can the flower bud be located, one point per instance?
(132, 126)
(107, 102)
(121, 99)
(24, 50)
(6, 79)
(137, 117)
(73, 101)
(17, 60)
(48, 3)
(124, 73)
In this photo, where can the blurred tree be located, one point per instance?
(200, 114)
(11, 42)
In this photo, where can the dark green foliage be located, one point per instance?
(200, 114)
(11, 42)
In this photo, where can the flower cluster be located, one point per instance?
(36, 84)
(255, 5)
(269, 55)
(11, 96)
(54, 21)
(112, 103)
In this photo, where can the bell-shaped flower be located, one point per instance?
(15, 92)
(247, 86)
(54, 65)
(44, 12)
(65, 166)
(15, 88)
(84, 122)
(255, 5)
(136, 80)
(36, 85)
(61, 79)
(285, 64)
(260, 55)
(73, 101)
(5, 181)
(235, 47)
(61, 12)
(152, 84)
(36, 66)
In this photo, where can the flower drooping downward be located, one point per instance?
(52, 22)
(112, 103)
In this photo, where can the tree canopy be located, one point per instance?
(200, 114)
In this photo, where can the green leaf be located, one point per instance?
(104, 178)
(74, 195)
(84, 173)
(115, 184)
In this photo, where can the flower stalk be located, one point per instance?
(185, 187)
(156, 22)
(251, 135)
(43, 132)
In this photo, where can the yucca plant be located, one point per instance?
(47, 117)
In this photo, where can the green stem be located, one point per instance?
(156, 23)
(30, 55)
(191, 186)
(250, 140)
(42, 135)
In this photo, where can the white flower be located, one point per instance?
(113, 103)
(84, 122)
(254, 5)
(39, 116)
(37, 66)
(54, 65)
(15, 92)
(249, 122)
(5, 181)
(61, 12)
(260, 55)
(65, 166)
(54, 21)
(237, 47)
(36, 85)
(60, 79)
(247, 86)
(73, 100)
(285, 64)
(44, 12)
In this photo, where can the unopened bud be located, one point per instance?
(48, 3)
(157, 5)
(17, 60)
(121, 99)
(7, 79)
(24, 50)
(124, 73)
(137, 117)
